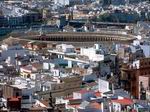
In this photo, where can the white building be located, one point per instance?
(65, 48)
(9, 53)
(49, 64)
(70, 2)
(103, 86)
(28, 88)
(120, 103)
(31, 70)
(94, 54)
(62, 2)
(144, 46)
(82, 94)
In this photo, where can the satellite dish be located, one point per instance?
(139, 37)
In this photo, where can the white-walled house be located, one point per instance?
(27, 88)
(62, 2)
(9, 53)
(145, 46)
(29, 70)
(94, 53)
(83, 94)
(121, 104)
(70, 2)
(49, 64)
(65, 48)
(103, 86)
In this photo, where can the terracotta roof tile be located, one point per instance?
(75, 106)
(14, 99)
(95, 105)
(97, 94)
(124, 101)
(46, 103)
(83, 91)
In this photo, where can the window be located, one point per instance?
(25, 97)
(98, 52)
(114, 106)
(28, 76)
(141, 64)
(17, 94)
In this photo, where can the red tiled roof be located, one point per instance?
(97, 94)
(14, 99)
(75, 106)
(36, 65)
(124, 101)
(83, 91)
(133, 110)
(95, 105)
(68, 98)
(46, 103)
(28, 68)
(91, 84)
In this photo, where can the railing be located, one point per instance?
(75, 37)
